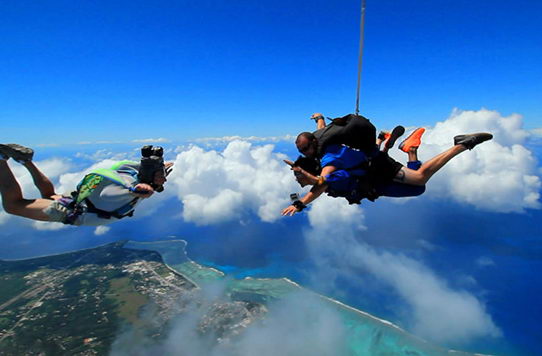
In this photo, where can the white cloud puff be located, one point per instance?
(536, 132)
(101, 230)
(434, 310)
(327, 211)
(438, 313)
(484, 261)
(219, 186)
(48, 226)
(152, 140)
(209, 141)
(499, 175)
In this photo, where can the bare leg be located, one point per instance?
(413, 154)
(41, 181)
(12, 197)
(426, 171)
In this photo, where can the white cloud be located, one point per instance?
(220, 186)
(484, 261)
(203, 210)
(438, 312)
(434, 310)
(285, 330)
(102, 154)
(536, 132)
(213, 141)
(48, 226)
(101, 230)
(102, 142)
(499, 175)
(327, 211)
(152, 140)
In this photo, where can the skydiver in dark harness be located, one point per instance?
(364, 172)
(112, 193)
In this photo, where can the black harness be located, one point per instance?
(86, 206)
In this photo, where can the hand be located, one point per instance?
(168, 168)
(291, 210)
(299, 169)
(143, 190)
(293, 166)
(316, 116)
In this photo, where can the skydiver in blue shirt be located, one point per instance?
(354, 174)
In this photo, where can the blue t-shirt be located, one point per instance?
(342, 157)
(342, 181)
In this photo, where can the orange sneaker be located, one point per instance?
(413, 140)
(384, 135)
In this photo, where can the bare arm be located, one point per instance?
(314, 193)
(319, 118)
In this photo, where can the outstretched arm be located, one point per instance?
(314, 193)
(142, 190)
(320, 121)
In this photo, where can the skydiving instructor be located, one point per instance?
(330, 168)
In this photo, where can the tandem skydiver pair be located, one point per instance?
(343, 159)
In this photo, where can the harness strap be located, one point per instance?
(122, 212)
(365, 183)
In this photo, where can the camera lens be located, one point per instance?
(158, 151)
(146, 151)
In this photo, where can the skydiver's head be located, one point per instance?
(309, 165)
(152, 169)
(307, 144)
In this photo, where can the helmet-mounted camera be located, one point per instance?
(152, 161)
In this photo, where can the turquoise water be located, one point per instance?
(365, 334)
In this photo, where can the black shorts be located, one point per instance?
(384, 168)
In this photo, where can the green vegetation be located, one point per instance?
(128, 300)
(78, 302)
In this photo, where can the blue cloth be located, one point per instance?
(414, 165)
(343, 183)
(399, 190)
(343, 157)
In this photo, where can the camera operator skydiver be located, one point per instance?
(354, 174)
(102, 197)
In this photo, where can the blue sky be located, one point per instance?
(177, 72)
(87, 71)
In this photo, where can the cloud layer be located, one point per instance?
(245, 179)
(215, 187)
(435, 311)
(499, 175)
